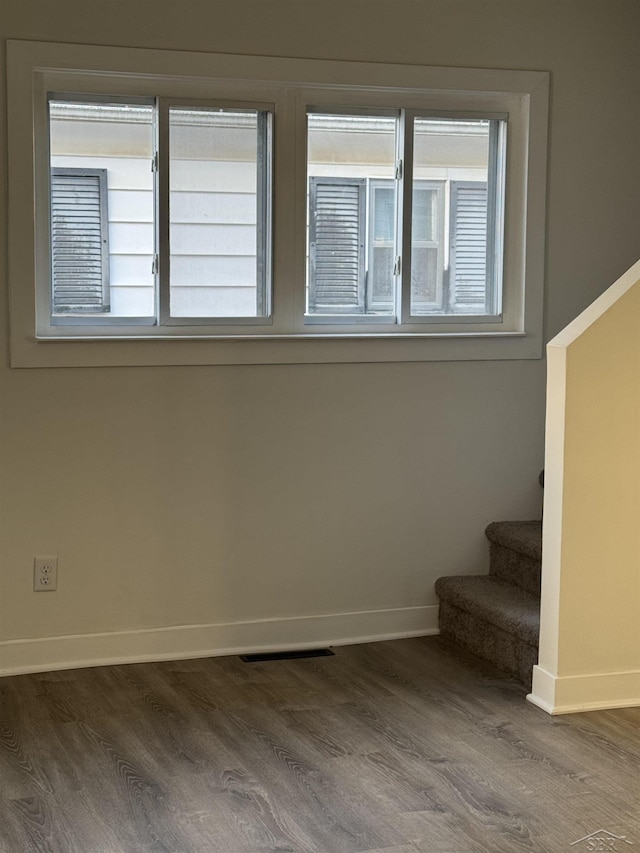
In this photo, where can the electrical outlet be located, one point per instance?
(45, 574)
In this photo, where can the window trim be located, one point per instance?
(291, 85)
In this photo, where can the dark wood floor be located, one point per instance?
(401, 747)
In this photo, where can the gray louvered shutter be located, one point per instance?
(468, 246)
(336, 245)
(79, 241)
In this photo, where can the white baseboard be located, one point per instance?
(594, 692)
(181, 642)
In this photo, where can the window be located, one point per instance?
(244, 209)
(427, 248)
(121, 157)
(381, 251)
(219, 213)
(390, 196)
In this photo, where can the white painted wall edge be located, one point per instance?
(181, 642)
(596, 309)
(570, 694)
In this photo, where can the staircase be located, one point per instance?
(497, 616)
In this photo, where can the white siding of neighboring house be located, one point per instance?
(213, 238)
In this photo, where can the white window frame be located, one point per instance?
(290, 87)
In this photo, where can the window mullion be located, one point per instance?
(405, 211)
(161, 224)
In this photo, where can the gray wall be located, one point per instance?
(200, 495)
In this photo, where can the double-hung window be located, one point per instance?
(253, 210)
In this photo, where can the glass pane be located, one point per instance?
(102, 209)
(349, 216)
(426, 275)
(450, 257)
(425, 214)
(217, 213)
(382, 249)
(384, 214)
(381, 279)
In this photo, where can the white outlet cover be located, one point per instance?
(45, 574)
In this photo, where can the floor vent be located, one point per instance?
(304, 653)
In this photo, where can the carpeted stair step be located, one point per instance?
(516, 553)
(495, 620)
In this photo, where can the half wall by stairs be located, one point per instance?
(589, 647)
(497, 616)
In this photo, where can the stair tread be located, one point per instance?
(502, 604)
(525, 537)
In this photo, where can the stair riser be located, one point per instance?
(503, 650)
(515, 568)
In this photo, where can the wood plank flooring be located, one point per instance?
(403, 747)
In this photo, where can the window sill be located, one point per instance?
(28, 352)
